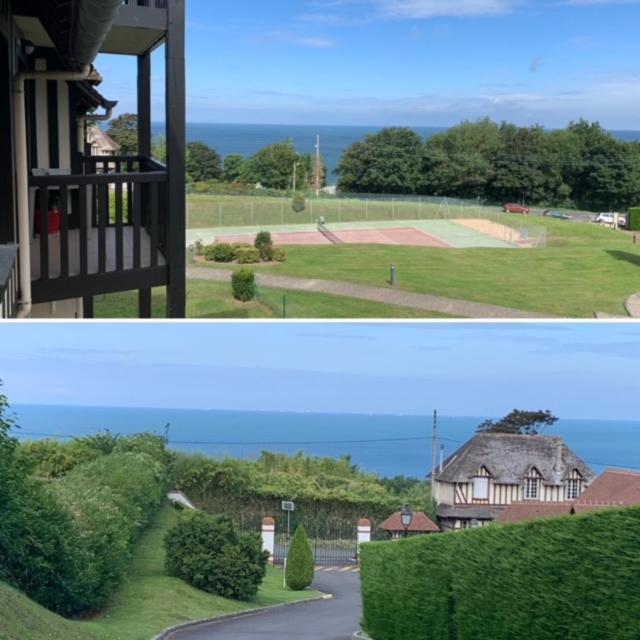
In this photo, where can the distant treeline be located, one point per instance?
(582, 166)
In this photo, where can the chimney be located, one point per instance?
(558, 463)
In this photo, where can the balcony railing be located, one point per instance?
(110, 220)
(152, 4)
(8, 281)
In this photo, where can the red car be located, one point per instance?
(515, 208)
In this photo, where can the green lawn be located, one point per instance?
(584, 269)
(149, 602)
(214, 300)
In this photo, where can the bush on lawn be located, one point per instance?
(299, 571)
(264, 244)
(221, 252)
(298, 204)
(248, 255)
(241, 245)
(279, 254)
(206, 552)
(633, 221)
(577, 576)
(243, 285)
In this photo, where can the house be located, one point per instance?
(421, 524)
(81, 225)
(474, 485)
(100, 143)
(614, 488)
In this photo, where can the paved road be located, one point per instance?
(440, 304)
(336, 619)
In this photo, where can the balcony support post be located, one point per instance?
(144, 303)
(144, 105)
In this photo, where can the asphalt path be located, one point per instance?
(335, 619)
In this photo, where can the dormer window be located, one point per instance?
(531, 488)
(480, 488)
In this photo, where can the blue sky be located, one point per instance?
(404, 62)
(576, 370)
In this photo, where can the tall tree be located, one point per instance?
(203, 163)
(273, 166)
(385, 162)
(233, 167)
(528, 423)
(124, 130)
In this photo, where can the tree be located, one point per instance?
(385, 162)
(159, 149)
(203, 163)
(528, 423)
(124, 130)
(233, 167)
(273, 166)
(299, 571)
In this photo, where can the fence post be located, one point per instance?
(339, 211)
(366, 209)
(269, 537)
(220, 212)
(252, 213)
(393, 208)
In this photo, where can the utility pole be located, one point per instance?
(434, 443)
(295, 169)
(318, 166)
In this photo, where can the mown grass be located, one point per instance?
(149, 602)
(210, 300)
(585, 268)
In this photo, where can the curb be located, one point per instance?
(167, 633)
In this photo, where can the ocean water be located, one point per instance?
(246, 139)
(385, 444)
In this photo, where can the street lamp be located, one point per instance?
(406, 515)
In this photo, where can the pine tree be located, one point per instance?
(299, 572)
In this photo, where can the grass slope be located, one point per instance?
(214, 300)
(584, 269)
(149, 602)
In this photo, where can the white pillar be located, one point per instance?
(364, 531)
(269, 537)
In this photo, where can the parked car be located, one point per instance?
(560, 215)
(511, 207)
(609, 218)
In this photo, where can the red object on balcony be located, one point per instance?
(53, 221)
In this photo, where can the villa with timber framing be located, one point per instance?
(74, 225)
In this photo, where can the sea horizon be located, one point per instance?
(387, 444)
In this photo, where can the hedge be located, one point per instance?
(243, 285)
(633, 221)
(572, 578)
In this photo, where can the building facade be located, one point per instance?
(86, 225)
(474, 485)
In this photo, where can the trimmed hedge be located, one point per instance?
(243, 285)
(571, 578)
(247, 255)
(299, 571)
(221, 252)
(633, 219)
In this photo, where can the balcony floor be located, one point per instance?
(92, 252)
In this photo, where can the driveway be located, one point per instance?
(336, 619)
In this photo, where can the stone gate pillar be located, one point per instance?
(269, 537)
(364, 531)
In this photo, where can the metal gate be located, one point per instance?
(329, 548)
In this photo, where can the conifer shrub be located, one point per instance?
(264, 244)
(206, 552)
(243, 285)
(299, 571)
(298, 204)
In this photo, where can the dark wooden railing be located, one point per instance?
(152, 4)
(113, 218)
(8, 281)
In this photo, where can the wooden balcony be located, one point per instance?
(139, 26)
(106, 232)
(8, 281)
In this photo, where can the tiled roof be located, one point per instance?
(421, 523)
(619, 487)
(521, 511)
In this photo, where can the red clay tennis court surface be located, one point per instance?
(402, 236)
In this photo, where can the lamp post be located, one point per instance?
(406, 515)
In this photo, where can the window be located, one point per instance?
(481, 488)
(531, 489)
(573, 488)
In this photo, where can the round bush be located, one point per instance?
(206, 552)
(279, 254)
(298, 204)
(222, 252)
(243, 285)
(264, 244)
(299, 572)
(248, 255)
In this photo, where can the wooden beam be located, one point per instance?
(144, 105)
(144, 303)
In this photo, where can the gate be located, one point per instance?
(328, 547)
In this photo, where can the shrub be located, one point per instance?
(279, 254)
(298, 204)
(633, 219)
(248, 255)
(222, 252)
(264, 244)
(299, 571)
(577, 570)
(240, 245)
(243, 285)
(198, 247)
(206, 552)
